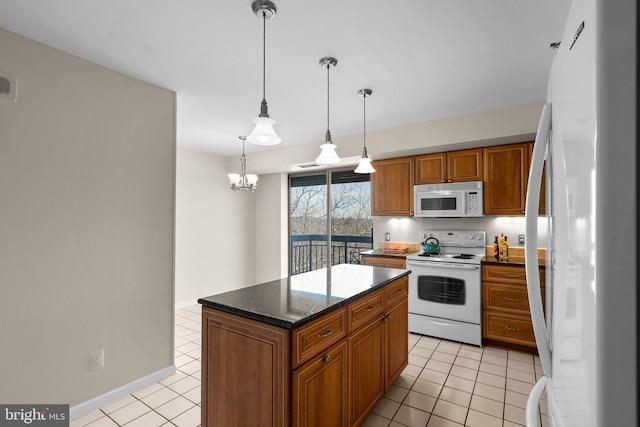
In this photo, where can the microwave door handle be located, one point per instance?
(464, 203)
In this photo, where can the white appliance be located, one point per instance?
(458, 199)
(587, 141)
(445, 288)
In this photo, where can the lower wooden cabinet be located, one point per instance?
(330, 372)
(320, 389)
(506, 320)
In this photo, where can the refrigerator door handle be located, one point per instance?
(531, 412)
(530, 249)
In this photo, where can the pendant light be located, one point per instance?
(364, 165)
(263, 133)
(328, 155)
(243, 181)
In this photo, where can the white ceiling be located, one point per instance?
(423, 59)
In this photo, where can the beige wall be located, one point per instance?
(87, 159)
(215, 227)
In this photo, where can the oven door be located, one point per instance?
(445, 290)
(439, 204)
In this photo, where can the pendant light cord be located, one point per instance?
(328, 66)
(364, 120)
(264, 53)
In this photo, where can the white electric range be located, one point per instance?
(445, 294)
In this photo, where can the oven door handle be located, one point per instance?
(443, 265)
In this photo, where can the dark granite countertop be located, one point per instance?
(293, 301)
(512, 261)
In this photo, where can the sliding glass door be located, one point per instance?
(328, 224)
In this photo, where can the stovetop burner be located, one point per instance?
(464, 256)
(428, 255)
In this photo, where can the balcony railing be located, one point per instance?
(309, 251)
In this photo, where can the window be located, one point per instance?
(348, 228)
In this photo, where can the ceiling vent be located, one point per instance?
(8, 87)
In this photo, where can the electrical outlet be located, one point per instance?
(387, 237)
(521, 239)
(96, 359)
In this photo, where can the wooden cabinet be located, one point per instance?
(320, 389)
(366, 370)
(246, 371)
(378, 353)
(331, 371)
(505, 307)
(506, 172)
(392, 187)
(453, 166)
(382, 261)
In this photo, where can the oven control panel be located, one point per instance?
(455, 238)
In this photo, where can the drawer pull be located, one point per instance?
(511, 299)
(327, 358)
(370, 308)
(512, 329)
(512, 276)
(326, 334)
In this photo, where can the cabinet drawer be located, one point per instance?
(397, 291)
(365, 309)
(508, 328)
(510, 297)
(504, 274)
(378, 261)
(318, 335)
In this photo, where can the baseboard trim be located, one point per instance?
(186, 304)
(114, 395)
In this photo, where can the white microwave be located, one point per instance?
(458, 199)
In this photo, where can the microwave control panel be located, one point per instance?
(474, 203)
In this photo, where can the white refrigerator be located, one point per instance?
(587, 332)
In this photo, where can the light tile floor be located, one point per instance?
(446, 384)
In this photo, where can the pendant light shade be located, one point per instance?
(364, 165)
(263, 133)
(243, 180)
(328, 155)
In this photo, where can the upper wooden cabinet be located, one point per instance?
(506, 172)
(453, 166)
(392, 187)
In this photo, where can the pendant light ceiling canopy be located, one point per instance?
(328, 155)
(263, 133)
(243, 181)
(364, 165)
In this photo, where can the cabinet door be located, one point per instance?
(392, 187)
(245, 371)
(366, 370)
(505, 179)
(320, 392)
(431, 168)
(396, 342)
(464, 165)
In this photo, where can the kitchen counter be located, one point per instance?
(383, 253)
(293, 301)
(513, 261)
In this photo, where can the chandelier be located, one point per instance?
(243, 180)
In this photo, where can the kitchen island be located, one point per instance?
(316, 349)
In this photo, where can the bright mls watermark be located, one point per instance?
(34, 415)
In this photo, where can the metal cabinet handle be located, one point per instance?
(327, 358)
(512, 276)
(370, 308)
(326, 334)
(512, 329)
(386, 318)
(512, 299)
